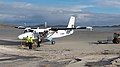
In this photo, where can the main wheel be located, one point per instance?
(52, 42)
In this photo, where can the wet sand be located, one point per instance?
(76, 50)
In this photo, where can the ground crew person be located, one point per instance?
(26, 41)
(30, 42)
(116, 40)
(38, 41)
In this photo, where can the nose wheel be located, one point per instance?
(52, 42)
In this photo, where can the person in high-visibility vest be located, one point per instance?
(25, 41)
(30, 42)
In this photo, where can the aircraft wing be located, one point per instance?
(56, 29)
(22, 27)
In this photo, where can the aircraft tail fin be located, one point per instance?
(71, 23)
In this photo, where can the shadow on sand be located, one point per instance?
(7, 42)
(101, 62)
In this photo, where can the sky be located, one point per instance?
(88, 12)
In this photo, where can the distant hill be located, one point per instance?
(108, 26)
(6, 26)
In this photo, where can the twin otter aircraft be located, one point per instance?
(51, 33)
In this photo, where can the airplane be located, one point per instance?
(52, 33)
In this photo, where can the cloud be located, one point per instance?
(22, 5)
(34, 14)
(29, 10)
(11, 16)
(98, 19)
(109, 3)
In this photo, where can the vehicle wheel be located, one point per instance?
(52, 42)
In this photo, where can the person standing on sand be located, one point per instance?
(38, 40)
(30, 42)
(26, 41)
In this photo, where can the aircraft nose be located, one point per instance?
(20, 37)
(25, 35)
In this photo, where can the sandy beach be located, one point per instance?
(78, 50)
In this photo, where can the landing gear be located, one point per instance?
(52, 42)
